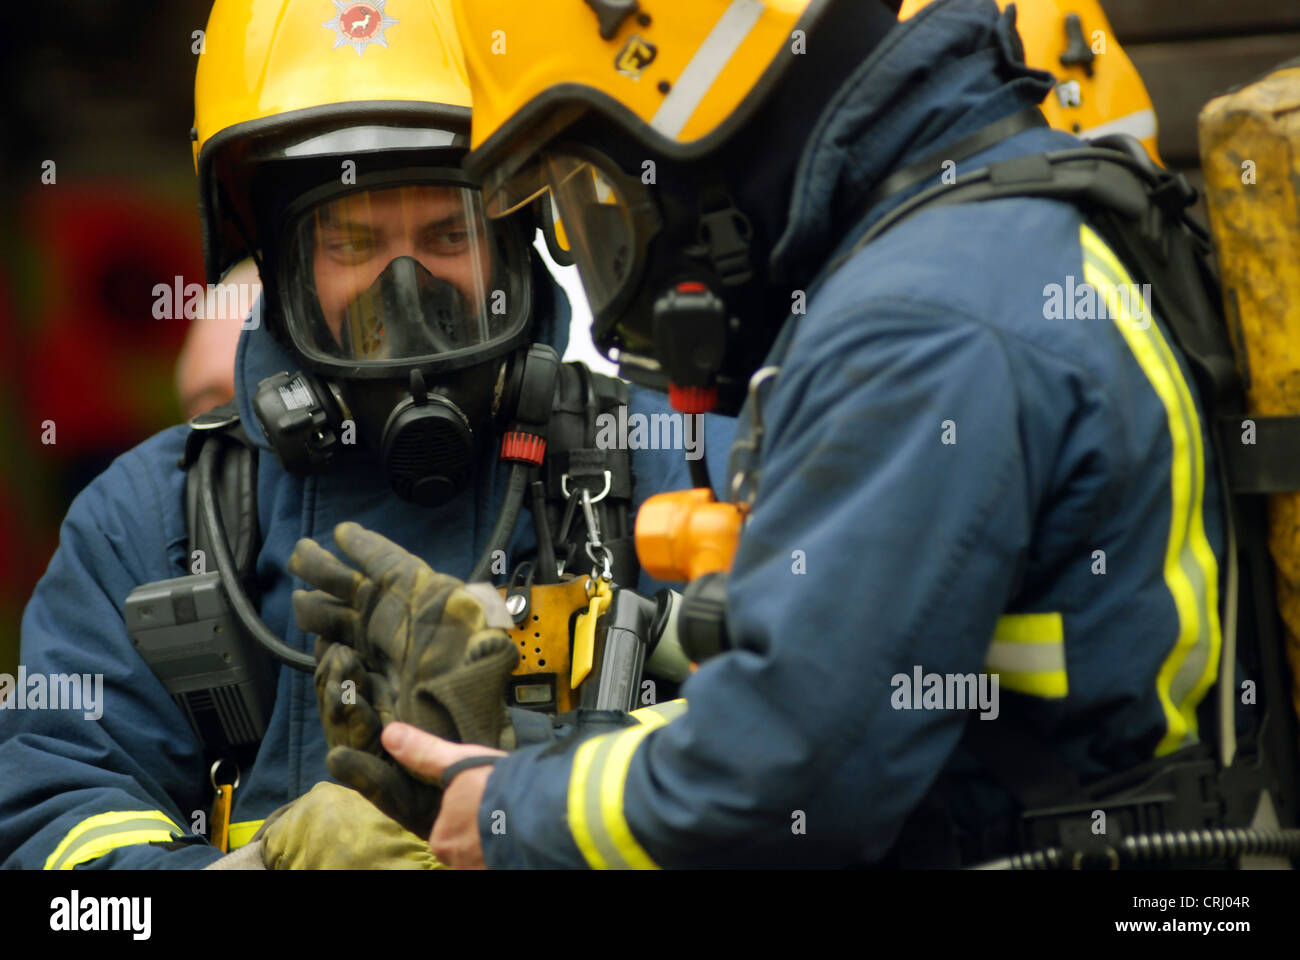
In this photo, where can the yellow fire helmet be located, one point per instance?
(572, 96)
(1098, 89)
(298, 78)
(679, 77)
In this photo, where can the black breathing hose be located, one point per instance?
(211, 516)
(505, 525)
(547, 569)
(699, 469)
(1173, 845)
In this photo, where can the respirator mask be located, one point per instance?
(409, 309)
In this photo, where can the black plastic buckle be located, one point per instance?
(1174, 194)
(725, 235)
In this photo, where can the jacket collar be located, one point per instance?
(955, 67)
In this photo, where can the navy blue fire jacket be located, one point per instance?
(963, 475)
(125, 789)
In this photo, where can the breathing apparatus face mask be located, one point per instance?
(406, 305)
(399, 275)
(668, 272)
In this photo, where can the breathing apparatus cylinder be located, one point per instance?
(1250, 148)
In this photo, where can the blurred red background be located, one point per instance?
(98, 207)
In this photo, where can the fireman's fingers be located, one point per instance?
(323, 570)
(379, 558)
(408, 801)
(343, 695)
(323, 614)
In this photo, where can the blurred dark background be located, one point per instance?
(103, 90)
(1190, 51)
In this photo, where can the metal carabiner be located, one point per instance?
(588, 514)
(744, 482)
(602, 568)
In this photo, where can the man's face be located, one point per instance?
(358, 236)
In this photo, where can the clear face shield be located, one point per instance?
(606, 217)
(397, 275)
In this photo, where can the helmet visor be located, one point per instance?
(598, 224)
(398, 274)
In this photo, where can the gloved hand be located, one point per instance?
(354, 718)
(334, 828)
(416, 647)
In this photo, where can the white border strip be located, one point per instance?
(1140, 125)
(697, 79)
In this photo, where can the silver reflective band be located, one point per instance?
(718, 47)
(1025, 657)
(361, 139)
(1140, 125)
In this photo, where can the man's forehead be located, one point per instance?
(423, 202)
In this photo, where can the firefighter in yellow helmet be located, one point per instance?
(1098, 90)
(374, 381)
(980, 571)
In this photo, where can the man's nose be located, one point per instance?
(404, 247)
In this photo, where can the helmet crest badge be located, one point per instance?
(359, 23)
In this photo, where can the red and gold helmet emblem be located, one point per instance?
(360, 23)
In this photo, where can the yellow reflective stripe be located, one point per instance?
(595, 804)
(1030, 628)
(596, 801)
(658, 714)
(1028, 654)
(578, 825)
(613, 778)
(1190, 569)
(105, 832)
(241, 833)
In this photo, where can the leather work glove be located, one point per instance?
(416, 646)
(334, 828)
(353, 718)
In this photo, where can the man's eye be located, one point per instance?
(449, 239)
(349, 246)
